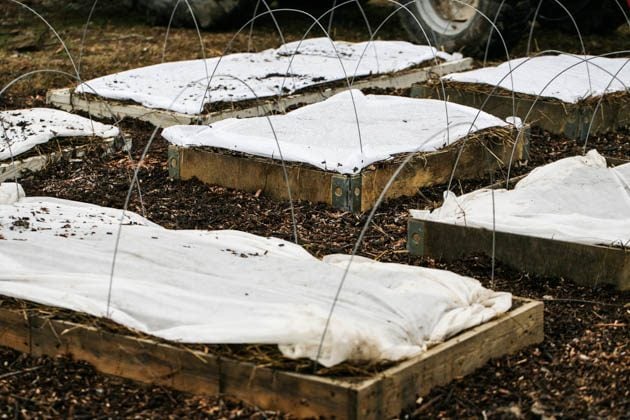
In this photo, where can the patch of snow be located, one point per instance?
(10, 192)
(23, 129)
(531, 76)
(515, 121)
(326, 136)
(230, 286)
(182, 86)
(576, 199)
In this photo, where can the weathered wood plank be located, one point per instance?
(103, 108)
(131, 358)
(584, 264)
(15, 170)
(613, 161)
(301, 395)
(252, 174)
(162, 364)
(572, 120)
(304, 396)
(478, 157)
(115, 110)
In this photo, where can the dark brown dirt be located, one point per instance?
(572, 373)
(60, 388)
(581, 370)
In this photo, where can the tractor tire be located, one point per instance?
(208, 13)
(453, 27)
(591, 16)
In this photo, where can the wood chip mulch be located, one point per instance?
(581, 369)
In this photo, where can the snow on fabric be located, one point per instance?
(576, 199)
(326, 135)
(531, 76)
(183, 86)
(230, 286)
(23, 129)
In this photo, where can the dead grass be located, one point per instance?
(120, 39)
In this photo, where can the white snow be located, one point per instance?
(576, 199)
(567, 75)
(183, 86)
(230, 286)
(10, 192)
(326, 136)
(23, 129)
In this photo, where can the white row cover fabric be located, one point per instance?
(23, 129)
(230, 286)
(576, 199)
(182, 86)
(327, 135)
(569, 78)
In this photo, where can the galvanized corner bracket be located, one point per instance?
(173, 162)
(416, 234)
(346, 192)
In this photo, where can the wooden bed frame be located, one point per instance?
(571, 120)
(384, 395)
(357, 192)
(111, 109)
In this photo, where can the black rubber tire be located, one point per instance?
(208, 13)
(511, 21)
(591, 16)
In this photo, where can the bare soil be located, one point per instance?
(581, 370)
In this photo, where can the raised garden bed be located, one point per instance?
(545, 251)
(586, 112)
(397, 330)
(64, 149)
(381, 395)
(32, 139)
(329, 168)
(177, 93)
(585, 264)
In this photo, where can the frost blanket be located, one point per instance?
(23, 129)
(328, 134)
(230, 286)
(569, 78)
(182, 86)
(576, 199)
